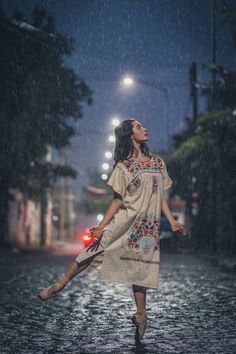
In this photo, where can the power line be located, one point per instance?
(104, 55)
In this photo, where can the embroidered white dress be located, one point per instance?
(129, 251)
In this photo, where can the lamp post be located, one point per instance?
(129, 81)
(115, 121)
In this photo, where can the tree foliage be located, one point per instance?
(40, 99)
(225, 88)
(203, 162)
(92, 204)
(209, 156)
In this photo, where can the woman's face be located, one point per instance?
(140, 134)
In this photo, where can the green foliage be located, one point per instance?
(42, 175)
(209, 155)
(40, 96)
(96, 204)
(225, 88)
(40, 100)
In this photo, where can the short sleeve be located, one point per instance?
(167, 180)
(117, 180)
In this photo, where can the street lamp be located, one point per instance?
(108, 154)
(112, 138)
(105, 166)
(104, 176)
(128, 81)
(115, 122)
(99, 217)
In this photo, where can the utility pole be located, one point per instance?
(62, 201)
(213, 51)
(194, 88)
(45, 212)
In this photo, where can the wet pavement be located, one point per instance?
(194, 310)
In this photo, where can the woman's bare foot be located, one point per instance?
(51, 291)
(54, 289)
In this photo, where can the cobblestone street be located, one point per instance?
(194, 310)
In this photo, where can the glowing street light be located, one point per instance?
(104, 176)
(115, 122)
(108, 154)
(105, 166)
(112, 138)
(128, 81)
(99, 217)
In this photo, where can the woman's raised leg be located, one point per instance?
(74, 269)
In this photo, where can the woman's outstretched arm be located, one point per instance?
(111, 210)
(175, 226)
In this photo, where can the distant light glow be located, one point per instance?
(105, 166)
(112, 138)
(108, 154)
(128, 81)
(87, 237)
(115, 122)
(104, 176)
(99, 217)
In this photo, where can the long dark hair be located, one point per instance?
(123, 146)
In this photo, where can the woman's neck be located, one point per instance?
(137, 153)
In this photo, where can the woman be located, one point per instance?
(128, 245)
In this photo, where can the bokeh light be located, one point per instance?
(105, 166)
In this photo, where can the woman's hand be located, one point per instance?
(175, 226)
(96, 231)
(94, 246)
(97, 234)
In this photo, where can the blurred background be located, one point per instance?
(71, 71)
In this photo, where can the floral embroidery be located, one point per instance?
(154, 184)
(145, 236)
(134, 185)
(127, 163)
(135, 167)
(160, 162)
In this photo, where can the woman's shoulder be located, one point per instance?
(121, 165)
(159, 160)
(157, 157)
(125, 163)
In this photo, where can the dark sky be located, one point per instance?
(153, 40)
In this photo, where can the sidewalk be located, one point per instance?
(227, 263)
(59, 248)
(66, 248)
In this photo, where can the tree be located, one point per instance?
(225, 90)
(209, 155)
(40, 99)
(96, 202)
(205, 153)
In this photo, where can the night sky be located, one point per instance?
(152, 40)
